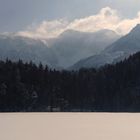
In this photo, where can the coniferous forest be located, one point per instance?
(26, 87)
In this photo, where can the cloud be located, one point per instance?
(47, 29)
(107, 18)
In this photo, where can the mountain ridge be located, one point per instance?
(61, 52)
(72, 46)
(125, 46)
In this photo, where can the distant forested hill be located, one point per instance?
(111, 88)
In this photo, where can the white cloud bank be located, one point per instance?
(107, 18)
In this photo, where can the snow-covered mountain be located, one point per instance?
(61, 52)
(119, 50)
(16, 47)
(72, 46)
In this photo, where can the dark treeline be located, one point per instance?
(112, 88)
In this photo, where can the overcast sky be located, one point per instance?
(17, 15)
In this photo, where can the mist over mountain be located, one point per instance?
(72, 46)
(16, 47)
(118, 51)
(61, 52)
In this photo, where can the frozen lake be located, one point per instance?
(70, 126)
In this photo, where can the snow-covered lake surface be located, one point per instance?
(70, 126)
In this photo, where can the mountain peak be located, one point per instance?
(69, 32)
(136, 29)
(104, 32)
(137, 26)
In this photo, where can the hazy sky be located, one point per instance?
(20, 15)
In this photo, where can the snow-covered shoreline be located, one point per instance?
(69, 126)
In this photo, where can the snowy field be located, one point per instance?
(71, 126)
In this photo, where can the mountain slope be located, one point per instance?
(61, 52)
(119, 50)
(16, 47)
(72, 46)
